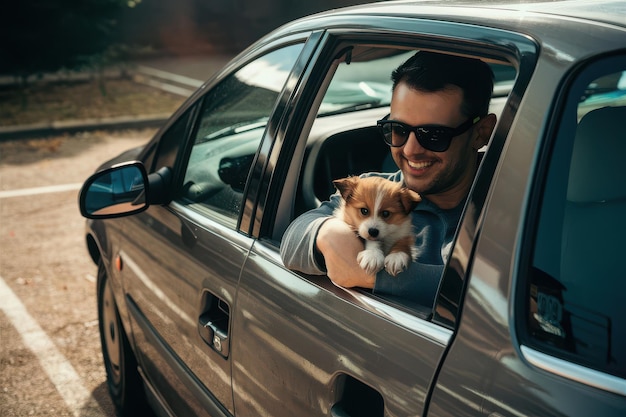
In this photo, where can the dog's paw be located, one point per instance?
(396, 262)
(371, 260)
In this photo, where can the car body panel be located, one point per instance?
(173, 295)
(296, 352)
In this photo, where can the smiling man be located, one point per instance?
(437, 123)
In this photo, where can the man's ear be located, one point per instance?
(484, 128)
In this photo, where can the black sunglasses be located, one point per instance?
(435, 138)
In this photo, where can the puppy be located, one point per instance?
(379, 211)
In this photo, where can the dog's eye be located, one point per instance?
(365, 211)
(385, 214)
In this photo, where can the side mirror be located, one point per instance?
(115, 192)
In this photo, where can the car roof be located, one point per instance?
(606, 11)
(513, 15)
(574, 28)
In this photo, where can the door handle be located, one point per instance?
(338, 411)
(357, 399)
(213, 323)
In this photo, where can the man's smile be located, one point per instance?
(419, 165)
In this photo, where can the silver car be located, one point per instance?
(198, 315)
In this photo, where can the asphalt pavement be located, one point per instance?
(177, 75)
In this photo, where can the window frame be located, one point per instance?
(505, 46)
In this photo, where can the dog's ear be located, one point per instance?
(409, 199)
(346, 186)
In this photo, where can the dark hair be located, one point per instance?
(430, 71)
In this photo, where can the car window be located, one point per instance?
(361, 81)
(575, 298)
(344, 141)
(229, 130)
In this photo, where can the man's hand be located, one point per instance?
(340, 247)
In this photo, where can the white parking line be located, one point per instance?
(39, 190)
(58, 368)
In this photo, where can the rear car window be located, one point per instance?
(575, 299)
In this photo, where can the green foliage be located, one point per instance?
(48, 35)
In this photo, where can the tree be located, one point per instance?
(49, 35)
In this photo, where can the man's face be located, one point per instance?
(442, 177)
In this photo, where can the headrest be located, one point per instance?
(598, 169)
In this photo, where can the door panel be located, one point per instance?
(303, 347)
(177, 271)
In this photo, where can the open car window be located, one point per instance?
(344, 141)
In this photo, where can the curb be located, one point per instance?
(74, 126)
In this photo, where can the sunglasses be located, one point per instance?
(435, 138)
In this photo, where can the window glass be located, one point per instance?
(229, 130)
(576, 305)
(362, 80)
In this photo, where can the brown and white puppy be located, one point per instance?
(379, 211)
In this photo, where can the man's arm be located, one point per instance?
(298, 249)
(317, 243)
(339, 246)
(419, 283)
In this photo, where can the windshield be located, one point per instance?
(361, 84)
(363, 81)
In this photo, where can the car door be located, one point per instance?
(182, 261)
(313, 348)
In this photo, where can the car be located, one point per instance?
(198, 315)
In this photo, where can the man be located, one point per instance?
(448, 97)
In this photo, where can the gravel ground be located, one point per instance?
(43, 260)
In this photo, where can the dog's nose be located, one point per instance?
(373, 232)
